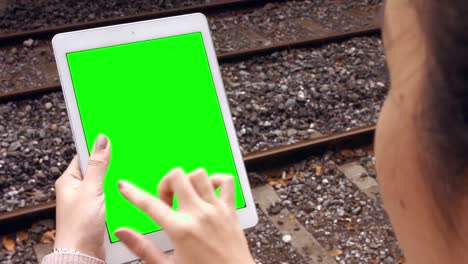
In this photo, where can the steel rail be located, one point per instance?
(207, 8)
(269, 159)
(222, 58)
(279, 156)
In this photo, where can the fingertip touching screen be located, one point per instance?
(156, 102)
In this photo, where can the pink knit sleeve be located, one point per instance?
(70, 258)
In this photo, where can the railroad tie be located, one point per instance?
(302, 240)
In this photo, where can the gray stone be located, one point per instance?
(48, 105)
(290, 103)
(14, 146)
(28, 42)
(291, 132)
(55, 171)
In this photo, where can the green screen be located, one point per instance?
(156, 102)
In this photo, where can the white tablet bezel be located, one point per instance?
(133, 32)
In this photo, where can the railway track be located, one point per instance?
(252, 28)
(222, 58)
(261, 160)
(315, 166)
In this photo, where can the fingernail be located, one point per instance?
(122, 184)
(224, 175)
(120, 234)
(177, 170)
(101, 142)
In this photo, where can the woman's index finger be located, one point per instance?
(159, 211)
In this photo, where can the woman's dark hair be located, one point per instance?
(445, 101)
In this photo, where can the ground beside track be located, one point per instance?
(343, 224)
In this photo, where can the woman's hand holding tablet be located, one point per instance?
(204, 229)
(80, 204)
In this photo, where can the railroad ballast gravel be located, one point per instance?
(351, 226)
(36, 145)
(275, 100)
(289, 96)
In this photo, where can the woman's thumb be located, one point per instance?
(98, 162)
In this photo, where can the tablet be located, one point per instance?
(155, 90)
